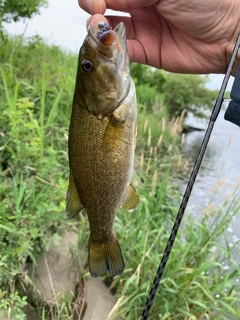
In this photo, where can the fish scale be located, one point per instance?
(101, 146)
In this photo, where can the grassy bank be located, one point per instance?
(35, 107)
(36, 88)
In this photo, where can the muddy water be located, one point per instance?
(219, 174)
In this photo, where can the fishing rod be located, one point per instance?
(233, 115)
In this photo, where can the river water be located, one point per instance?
(219, 174)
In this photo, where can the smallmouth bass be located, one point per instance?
(102, 142)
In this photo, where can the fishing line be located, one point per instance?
(214, 115)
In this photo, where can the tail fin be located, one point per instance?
(105, 257)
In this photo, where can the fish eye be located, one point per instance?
(87, 66)
(101, 24)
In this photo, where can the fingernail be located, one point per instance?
(94, 20)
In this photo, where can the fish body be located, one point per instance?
(101, 146)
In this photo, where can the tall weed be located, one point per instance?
(33, 159)
(195, 285)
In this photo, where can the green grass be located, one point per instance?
(33, 158)
(194, 283)
(36, 88)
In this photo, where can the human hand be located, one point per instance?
(178, 36)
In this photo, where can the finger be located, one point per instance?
(126, 5)
(136, 52)
(135, 48)
(115, 20)
(138, 26)
(94, 20)
(93, 6)
(100, 6)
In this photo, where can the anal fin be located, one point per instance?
(131, 199)
(74, 205)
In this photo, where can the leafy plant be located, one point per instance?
(195, 284)
(187, 93)
(33, 176)
(15, 9)
(177, 92)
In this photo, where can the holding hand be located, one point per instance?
(178, 36)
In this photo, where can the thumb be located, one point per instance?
(93, 6)
(100, 6)
(95, 19)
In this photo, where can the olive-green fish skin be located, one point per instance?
(101, 146)
(107, 85)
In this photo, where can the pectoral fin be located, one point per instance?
(131, 199)
(74, 205)
(120, 115)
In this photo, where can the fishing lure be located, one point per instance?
(107, 36)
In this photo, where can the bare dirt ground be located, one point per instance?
(56, 276)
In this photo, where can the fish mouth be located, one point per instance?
(118, 44)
